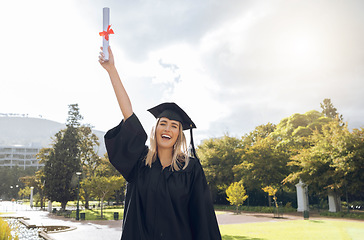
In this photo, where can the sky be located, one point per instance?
(231, 65)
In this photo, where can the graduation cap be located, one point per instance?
(172, 111)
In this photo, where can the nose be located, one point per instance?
(168, 127)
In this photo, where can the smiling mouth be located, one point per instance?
(166, 136)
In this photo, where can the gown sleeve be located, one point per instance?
(125, 145)
(201, 211)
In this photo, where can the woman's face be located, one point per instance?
(167, 132)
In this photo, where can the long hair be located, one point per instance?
(180, 157)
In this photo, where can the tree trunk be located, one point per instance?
(87, 198)
(63, 205)
(102, 206)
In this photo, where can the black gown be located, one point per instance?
(160, 203)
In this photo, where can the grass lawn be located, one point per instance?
(96, 214)
(297, 229)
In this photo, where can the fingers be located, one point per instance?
(101, 57)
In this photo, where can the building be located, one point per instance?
(11, 156)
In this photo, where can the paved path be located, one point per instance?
(96, 230)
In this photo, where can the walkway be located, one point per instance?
(96, 230)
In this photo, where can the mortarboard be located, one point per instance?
(172, 111)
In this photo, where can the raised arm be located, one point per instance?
(120, 92)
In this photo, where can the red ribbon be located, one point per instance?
(107, 33)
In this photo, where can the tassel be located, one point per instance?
(192, 150)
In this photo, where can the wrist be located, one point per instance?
(111, 70)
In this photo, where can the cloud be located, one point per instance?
(232, 65)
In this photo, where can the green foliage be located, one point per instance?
(5, 231)
(102, 187)
(107, 214)
(10, 177)
(256, 209)
(259, 133)
(292, 132)
(218, 156)
(329, 110)
(74, 116)
(24, 192)
(64, 161)
(258, 160)
(236, 194)
(332, 162)
(272, 193)
(89, 158)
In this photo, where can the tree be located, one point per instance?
(272, 193)
(262, 164)
(329, 110)
(218, 157)
(103, 187)
(10, 176)
(64, 161)
(24, 192)
(260, 132)
(74, 116)
(333, 162)
(292, 132)
(236, 194)
(89, 158)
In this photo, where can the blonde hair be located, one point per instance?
(179, 154)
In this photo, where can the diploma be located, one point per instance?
(106, 31)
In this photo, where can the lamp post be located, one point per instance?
(31, 197)
(11, 193)
(78, 197)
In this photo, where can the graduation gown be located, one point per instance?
(160, 203)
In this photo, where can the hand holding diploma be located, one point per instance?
(106, 31)
(107, 64)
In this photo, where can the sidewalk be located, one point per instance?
(102, 229)
(88, 230)
(96, 230)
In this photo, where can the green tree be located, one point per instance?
(10, 176)
(329, 110)
(64, 161)
(272, 193)
(74, 117)
(354, 179)
(333, 162)
(236, 194)
(89, 158)
(260, 132)
(292, 132)
(218, 156)
(37, 180)
(262, 164)
(24, 192)
(103, 187)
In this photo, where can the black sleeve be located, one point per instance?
(201, 211)
(125, 145)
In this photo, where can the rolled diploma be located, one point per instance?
(106, 19)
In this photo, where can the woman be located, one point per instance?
(167, 194)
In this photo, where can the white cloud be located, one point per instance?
(232, 65)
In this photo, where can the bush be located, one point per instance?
(355, 215)
(259, 209)
(5, 231)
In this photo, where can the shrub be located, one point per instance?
(5, 231)
(355, 215)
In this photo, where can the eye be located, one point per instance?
(162, 123)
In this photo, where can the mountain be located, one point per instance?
(34, 132)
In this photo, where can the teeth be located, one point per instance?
(166, 136)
